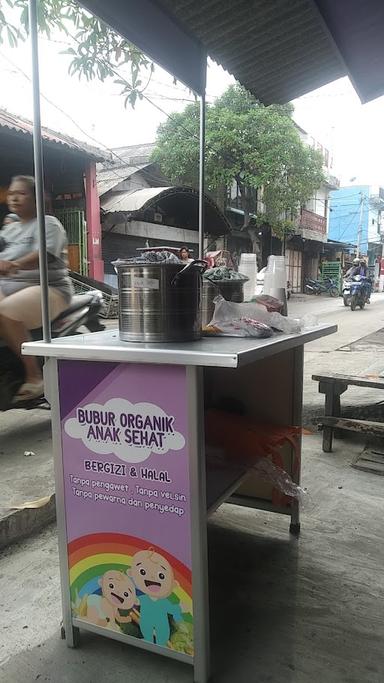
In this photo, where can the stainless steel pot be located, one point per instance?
(159, 302)
(231, 290)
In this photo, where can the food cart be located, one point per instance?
(136, 483)
(135, 479)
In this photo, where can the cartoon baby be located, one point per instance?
(118, 593)
(153, 576)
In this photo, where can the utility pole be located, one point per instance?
(360, 224)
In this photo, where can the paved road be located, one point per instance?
(356, 348)
(282, 610)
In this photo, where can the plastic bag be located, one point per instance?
(243, 327)
(236, 439)
(269, 302)
(279, 478)
(223, 273)
(230, 311)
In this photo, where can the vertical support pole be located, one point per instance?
(92, 209)
(360, 225)
(197, 478)
(297, 417)
(70, 632)
(201, 175)
(39, 172)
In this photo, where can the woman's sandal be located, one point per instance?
(28, 392)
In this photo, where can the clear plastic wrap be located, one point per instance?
(234, 440)
(228, 312)
(279, 478)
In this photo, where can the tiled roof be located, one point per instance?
(22, 125)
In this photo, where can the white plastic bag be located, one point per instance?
(227, 312)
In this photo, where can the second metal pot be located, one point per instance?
(231, 290)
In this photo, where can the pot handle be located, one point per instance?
(200, 265)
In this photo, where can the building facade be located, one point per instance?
(70, 184)
(305, 247)
(357, 217)
(140, 209)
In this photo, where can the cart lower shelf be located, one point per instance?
(224, 478)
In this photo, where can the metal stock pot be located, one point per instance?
(159, 302)
(231, 290)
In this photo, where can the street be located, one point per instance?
(282, 630)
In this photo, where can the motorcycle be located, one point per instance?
(356, 292)
(318, 287)
(85, 310)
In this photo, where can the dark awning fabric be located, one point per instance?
(357, 28)
(278, 49)
(156, 33)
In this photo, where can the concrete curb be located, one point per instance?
(18, 524)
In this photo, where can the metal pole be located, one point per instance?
(201, 175)
(39, 171)
(360, 225)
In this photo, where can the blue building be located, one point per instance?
(355, 217)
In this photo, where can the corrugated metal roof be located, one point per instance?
(135, 202)
(108, 178)
(21, 125)
(278, 50)
(133, 154)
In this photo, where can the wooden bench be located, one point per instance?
(333, 385)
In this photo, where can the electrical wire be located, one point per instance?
(347, 226)
(113, 152)
(91, 137)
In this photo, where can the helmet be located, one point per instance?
(356, 261)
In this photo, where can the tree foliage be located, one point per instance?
(248, 144)
(96, 50)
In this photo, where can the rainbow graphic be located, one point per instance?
(89, 557)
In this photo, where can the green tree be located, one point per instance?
(254, 146)
(96, 50)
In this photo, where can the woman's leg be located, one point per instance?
(21, 312)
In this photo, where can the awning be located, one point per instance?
(278, 50)
(181, 203)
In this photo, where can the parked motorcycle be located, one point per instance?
(320, 286)
(356, 292)
(85, 310)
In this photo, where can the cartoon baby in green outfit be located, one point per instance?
(153, 576)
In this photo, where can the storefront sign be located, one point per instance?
(126, 473)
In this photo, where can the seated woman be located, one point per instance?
(20, 291)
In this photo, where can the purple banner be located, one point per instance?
(126, 477)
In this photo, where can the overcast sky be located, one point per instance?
(332, 114)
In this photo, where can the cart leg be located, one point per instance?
(198, 507)
(71, 635)
(297, 416)
(294, 527)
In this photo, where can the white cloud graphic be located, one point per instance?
(132, 431)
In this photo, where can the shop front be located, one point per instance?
(70, 190)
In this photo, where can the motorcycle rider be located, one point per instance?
(353, 270)
(20, 291)
(359, 267)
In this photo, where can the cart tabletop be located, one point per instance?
(229, 352)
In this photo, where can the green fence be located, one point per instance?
(332, 269)
(74, 223)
